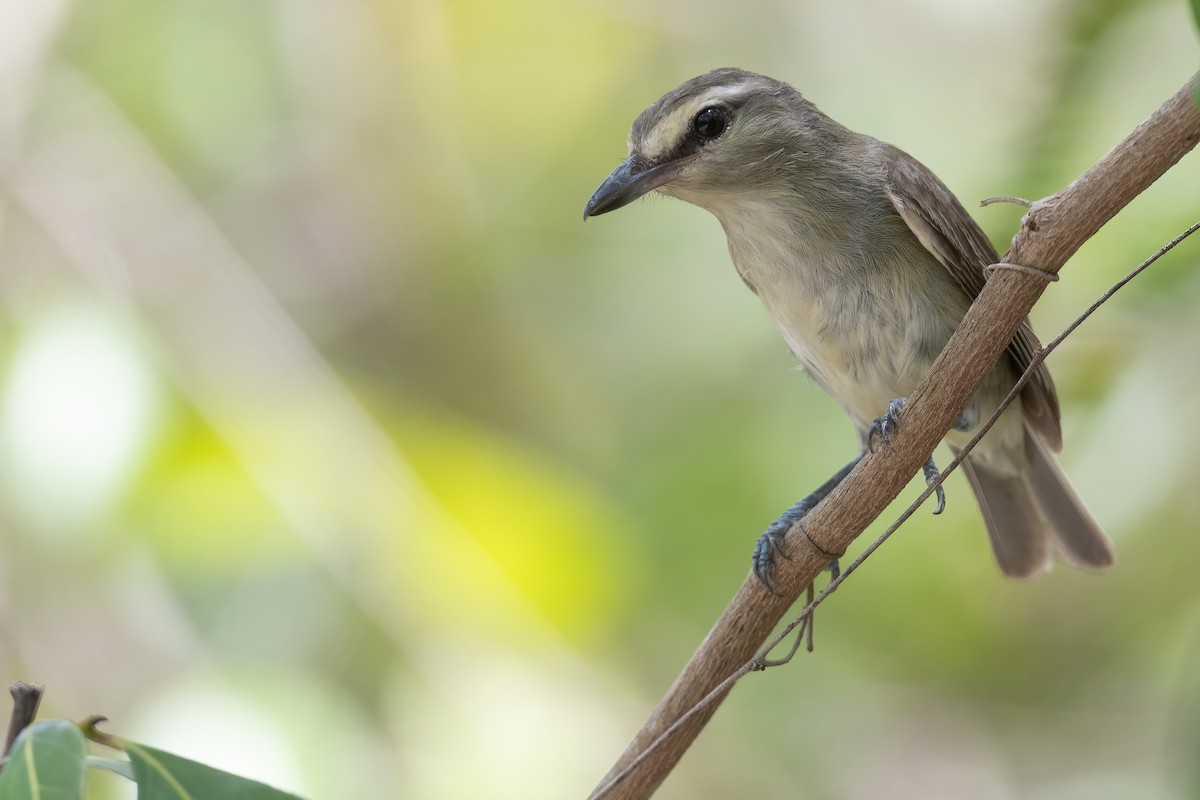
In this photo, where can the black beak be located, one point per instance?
(628, 182)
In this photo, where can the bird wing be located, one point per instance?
(946, 230)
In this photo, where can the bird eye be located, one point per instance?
(710, 123)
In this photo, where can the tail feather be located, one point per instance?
(1020, 540)
(1031, 515)
(1076, 535)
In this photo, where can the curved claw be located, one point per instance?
(767, 548)
(932, 476)
(883, 427)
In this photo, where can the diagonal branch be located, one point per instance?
(1051, 231)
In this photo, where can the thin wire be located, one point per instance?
(760, 661)
(1044, 274)
(717, 691)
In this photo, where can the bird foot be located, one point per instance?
(885, 426)
(932, 476)
(769, 544)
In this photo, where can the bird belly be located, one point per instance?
(866, 357)
(862, 370)
(866, 322)
(865, 332)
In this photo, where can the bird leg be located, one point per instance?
(768, 544)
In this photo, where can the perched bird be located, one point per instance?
(867, 263)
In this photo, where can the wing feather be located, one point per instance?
(947, 231)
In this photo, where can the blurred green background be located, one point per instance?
(336, 451)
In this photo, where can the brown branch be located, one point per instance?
(803, 620)
(1051, 231)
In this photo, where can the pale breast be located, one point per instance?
(865, 323)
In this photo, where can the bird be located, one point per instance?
(866, 262)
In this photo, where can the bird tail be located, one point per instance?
(1035, 513)
(1077, 537)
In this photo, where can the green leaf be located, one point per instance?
(46, 763)
(113, 765)
(164, 776)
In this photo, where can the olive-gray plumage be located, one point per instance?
(867, 263)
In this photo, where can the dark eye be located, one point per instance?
(710, 123)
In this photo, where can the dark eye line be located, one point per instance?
(692, 141)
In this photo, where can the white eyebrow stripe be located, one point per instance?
(722, 92)
(666, 134)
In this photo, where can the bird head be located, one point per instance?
(716, 137)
